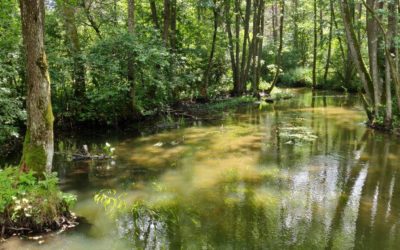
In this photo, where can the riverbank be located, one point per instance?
(166, 118)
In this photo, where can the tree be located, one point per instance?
(206, 76)
(131, 70)
(68, 11)
(279, 54)
(38, 147)
(314, 64)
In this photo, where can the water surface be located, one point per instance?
(303, 173)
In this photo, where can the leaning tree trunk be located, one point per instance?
(38, 147)
(357, 58)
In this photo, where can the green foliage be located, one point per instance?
(27, 200)
(108, 99)
(297, 77)
(11, 114)
(112, 202)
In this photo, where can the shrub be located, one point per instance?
(297, 77)
(12, 115)
(30, 203)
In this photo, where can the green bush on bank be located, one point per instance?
(29, 204)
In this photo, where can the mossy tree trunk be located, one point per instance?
(38, 147)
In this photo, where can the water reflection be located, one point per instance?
(303, 174)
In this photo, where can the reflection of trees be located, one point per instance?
(376, 225)
(230, 217)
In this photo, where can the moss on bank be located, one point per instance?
(29, 205)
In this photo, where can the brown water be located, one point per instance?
(304, 173)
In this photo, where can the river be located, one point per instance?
(303, 173)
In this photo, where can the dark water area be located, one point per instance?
(303, 173)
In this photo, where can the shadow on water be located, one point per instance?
(302, 174)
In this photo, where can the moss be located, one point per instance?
(34, 156)
(49, 117)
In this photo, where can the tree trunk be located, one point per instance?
(242, 85)
(173, 26)
(314, 65)
(279, 54)
(392, 32)
(75, 49)
(295, 25)
(206, 75)
(372, 34)
(167, 22)
(260, 45)
(230, 41)
(86, 8)
(237, 87)
(154, 15)
(38, 147)
(357, 57)
(275, 22)
(328, 58)
(254, 43)
(131, 59)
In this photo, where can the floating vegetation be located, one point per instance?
(296, 135)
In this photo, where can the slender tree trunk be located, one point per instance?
(242, 85)
(328, 58)
(154, 15)
(254, 43)
(131, 59)
(115, 11)
(75, 49)
(206, 75)
(372, 34)
(260, 46)
(279, 54)
(38, 147)
(392, 32)
(173, 25)
(321, 22)
(167, 22)
(275, 22)
(230, 41)
(237, 87)
(295, 25)
(314, 66)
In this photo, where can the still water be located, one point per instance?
(303, 173)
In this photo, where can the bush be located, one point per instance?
(11, 115)
(30, 203)
(297, 77)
